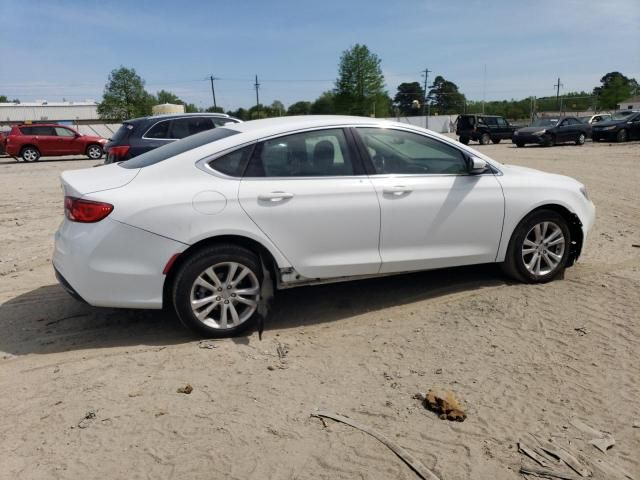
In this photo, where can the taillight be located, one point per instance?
(119, 152)
(85, 211)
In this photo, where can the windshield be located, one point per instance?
(621, 115)
(545, 122)
(176, 148)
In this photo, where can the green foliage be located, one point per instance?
(299, 108)
(614, 88)
(164, 96)
(240, 113)
(325, 104)
(360, 84)
(124, 96)
(445, 98)
(407, 96)
(213, 109)
(3, 99)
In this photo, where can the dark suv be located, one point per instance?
(140, 135)
(483, 128)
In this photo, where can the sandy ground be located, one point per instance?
(521, 358)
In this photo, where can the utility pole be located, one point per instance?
(213, 91)
(484, 86)
(558, 85)
(424, 100)
(257, 85)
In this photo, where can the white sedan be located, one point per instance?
(212, 223)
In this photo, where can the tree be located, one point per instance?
(325, 104)
(614, 88)
(299, 108)
(164, 96)
(240, 113)
(360, 84)
(445, 97)
(277, 109)
(213, 109)
(124, 96)
(3, 99)
(406, 98)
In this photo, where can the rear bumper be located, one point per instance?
(111, 264)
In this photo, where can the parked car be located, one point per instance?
(622, 127)
(3, 138)
(552, 131)
(30, 142)
(483, 128)
(212, 222)
(598, 117)
(140, 135)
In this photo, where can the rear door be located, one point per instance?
(308, 193)
(46, 140)
(504, 129)
(433, 213)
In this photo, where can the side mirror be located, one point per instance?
(477, 165)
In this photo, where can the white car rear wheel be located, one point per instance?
(217, 290)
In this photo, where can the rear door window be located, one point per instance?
(200, 124)
(43, 131)
(159, 130)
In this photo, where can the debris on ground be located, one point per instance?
(601, 440)
(581, 330)
(206, 344)
(135, 394)
(87, 419)
(282, 349)
(187, 389)
(445, 403)
(405, 456)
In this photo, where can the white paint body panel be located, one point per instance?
(330, 227)
(441, 220)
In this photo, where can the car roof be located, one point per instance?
(43, 125)
(276, 125)
(169, 116)
(481, 115)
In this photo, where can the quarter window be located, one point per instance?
(311, 154)
(502, 122)
(234, 163)
(401, 152)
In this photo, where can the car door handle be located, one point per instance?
(275, 196)
(397, 190)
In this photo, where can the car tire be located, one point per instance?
(539, 248)
(233, 305)
(581, 139)
(548, 141)
(496, 141)
(519, 144)
(621, 136)
(485, 138)
(30, 154)
(94, 151)
(464, 140)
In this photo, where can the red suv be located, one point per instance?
(33, 141)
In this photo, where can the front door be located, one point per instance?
(308, 193)
(67, 142)
(434, 214)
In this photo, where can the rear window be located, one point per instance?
(122, 133)
(176, 148)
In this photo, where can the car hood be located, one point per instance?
(532, 173)
(532, 129)
(608, 123)
(77, 183)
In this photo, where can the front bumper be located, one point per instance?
(604, 134)
(111, 264)
(527, 138)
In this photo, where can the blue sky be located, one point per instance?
(54, 49)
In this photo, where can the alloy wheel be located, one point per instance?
(94, 152)
(543, 248)
(29, 155)
(225, 295)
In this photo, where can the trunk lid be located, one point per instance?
(77, 183)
